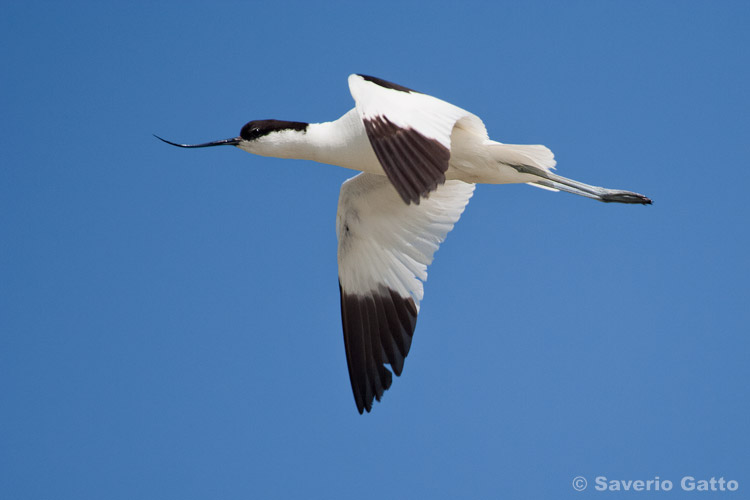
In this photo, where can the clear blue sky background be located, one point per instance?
(169, 319)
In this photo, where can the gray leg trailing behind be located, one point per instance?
(553, 181)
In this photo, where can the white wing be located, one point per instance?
(410, 133)
(384, 249)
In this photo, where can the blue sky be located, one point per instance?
(169, 319)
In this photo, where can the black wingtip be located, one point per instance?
(386, 84)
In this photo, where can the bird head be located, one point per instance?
(262, 137)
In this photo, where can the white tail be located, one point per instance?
(538, 161)
(534, 155)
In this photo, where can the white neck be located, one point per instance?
(342, 142)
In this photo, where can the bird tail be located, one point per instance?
(537, 162)
(534, 155)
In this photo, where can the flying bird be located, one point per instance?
(419, 159)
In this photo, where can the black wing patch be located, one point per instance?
(414, 164)
(386, 84)
(378, 329)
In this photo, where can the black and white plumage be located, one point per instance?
(420, 158)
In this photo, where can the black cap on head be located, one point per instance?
(258, 128)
